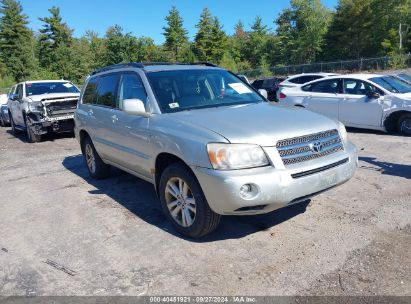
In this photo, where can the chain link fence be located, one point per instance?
(342, 66)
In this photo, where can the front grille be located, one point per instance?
(305, 148)
(61, 108)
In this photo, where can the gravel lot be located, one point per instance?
(63, 233)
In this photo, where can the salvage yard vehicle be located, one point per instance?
(40, 107)
(366, 101)
(271, 85)
(209, 143)
(4, 111)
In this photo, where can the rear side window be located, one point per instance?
(107, 90)
(305, 79)
(90, 93)
(326, 86)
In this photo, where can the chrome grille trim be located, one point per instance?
(299, 149)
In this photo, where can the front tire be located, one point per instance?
(404, 124)
(31, 136)
(95, 165)
(184, 203)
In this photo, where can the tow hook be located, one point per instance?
(56, 126)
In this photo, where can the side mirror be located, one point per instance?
(14, 97)
(263, 93)
(134, 107)
(373, 95)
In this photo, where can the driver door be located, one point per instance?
(356, 108)
(17, 106)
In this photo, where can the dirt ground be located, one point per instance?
(63, 233)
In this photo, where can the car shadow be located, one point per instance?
(386, 168)
(45, 138)
(139, 197)
(376, 132)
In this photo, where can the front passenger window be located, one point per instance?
(131, 87)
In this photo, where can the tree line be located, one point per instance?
(305, 32)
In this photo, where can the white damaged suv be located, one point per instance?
(209, 143)
(40, 107)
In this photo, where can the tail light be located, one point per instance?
(282, 95)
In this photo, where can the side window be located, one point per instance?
(326, 86)
(19, 91)
(295, 80)
(358, 87)
(107, 90)
(258, 84)
(90, 93)
(131, 87)
(12, 90)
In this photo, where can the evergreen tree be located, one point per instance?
(54, 34)
(16, 40)
(256, 44)
(175, 34)
(210, 40)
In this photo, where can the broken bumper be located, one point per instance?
(44, 125)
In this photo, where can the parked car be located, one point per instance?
(299, 80)
(208, 154)
(40, 107)
(404, 76)
(270, 85)
(366, 101)
(4, 111)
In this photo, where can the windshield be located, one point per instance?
(195, 89)
(40, 88)
(392, 84)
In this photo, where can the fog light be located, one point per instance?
(248, 191)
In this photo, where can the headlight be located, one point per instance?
(343, 132)
(236, 156)
(36, 106)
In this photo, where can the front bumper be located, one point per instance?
(44, 125)
(277, 188)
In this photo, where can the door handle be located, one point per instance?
(114, 118)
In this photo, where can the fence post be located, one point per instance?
(360, 64)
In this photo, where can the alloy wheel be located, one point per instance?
(90, 159)
(180, 202)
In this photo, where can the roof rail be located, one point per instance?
(143, 64)
(117, 66)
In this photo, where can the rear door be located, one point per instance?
(323, 97)
(102, 114)
(358, 110)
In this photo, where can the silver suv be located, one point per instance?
(209, 142)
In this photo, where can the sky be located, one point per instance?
(146, 18)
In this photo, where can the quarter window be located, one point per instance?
(131, 87)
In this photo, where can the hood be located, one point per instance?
(53, 97)
(263, 124)
(404, 96)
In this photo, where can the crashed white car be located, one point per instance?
(40, 107)
(366, 101)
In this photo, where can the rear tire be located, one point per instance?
(95, 165)
(184, 203)
(404, 124)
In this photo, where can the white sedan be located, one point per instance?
(366, 101)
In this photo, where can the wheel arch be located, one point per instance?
(390, 122)
(163, 160)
